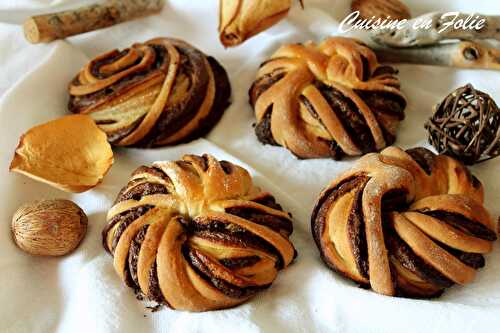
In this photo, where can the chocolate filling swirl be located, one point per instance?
(463, 224)
(362, 95)
(114, 94)
(124, 219)
(227, 233)
(196, 260)
(237, 251)
(274, 222)
(355, 223)
(370, 217)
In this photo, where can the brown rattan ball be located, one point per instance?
(466, 126)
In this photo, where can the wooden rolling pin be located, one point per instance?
(459, 54)
(48, 27)
(411, 37)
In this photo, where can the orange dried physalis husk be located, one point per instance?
(70, 153)
(242, 19)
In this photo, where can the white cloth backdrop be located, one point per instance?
(81, 292)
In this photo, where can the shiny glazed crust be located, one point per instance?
(157, 93)
(197, 235)
(330, 99)
(407, 223)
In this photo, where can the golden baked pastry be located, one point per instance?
(406, 223)
(70, 153)
(197, 235)
(242, 19)
(327, 100)
(157, 93)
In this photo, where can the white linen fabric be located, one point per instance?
(81, 292)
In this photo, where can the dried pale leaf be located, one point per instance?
(70, 153)
(242, 19)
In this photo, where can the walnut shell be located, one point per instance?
(381, 9)
(49, 227)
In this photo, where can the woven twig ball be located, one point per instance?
(466, 125)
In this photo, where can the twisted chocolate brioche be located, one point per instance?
(407, 223)
(157, 93)
(197, 235)
(327, 100)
